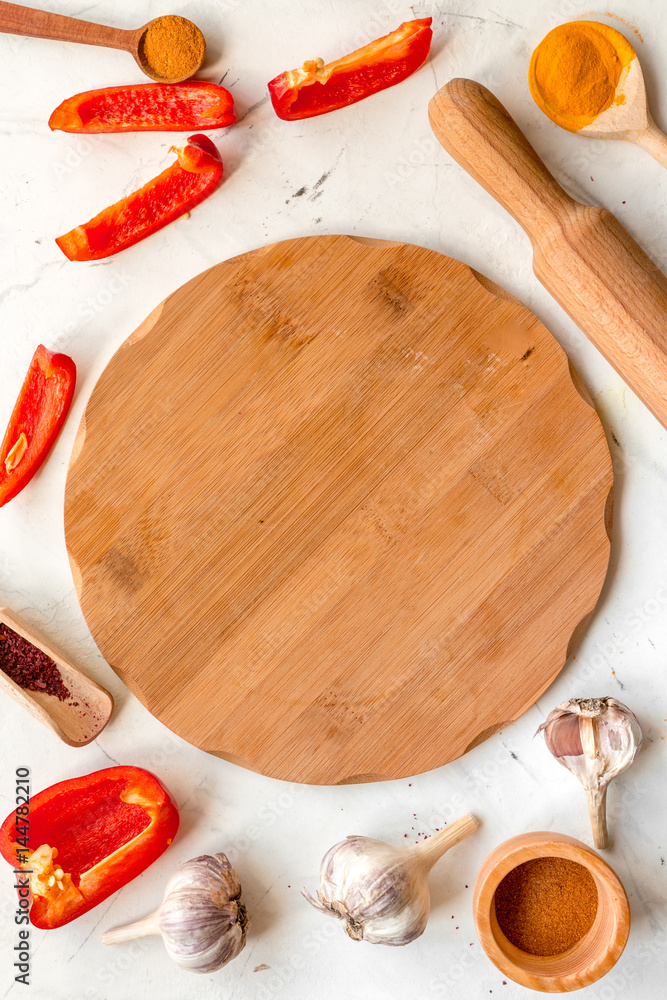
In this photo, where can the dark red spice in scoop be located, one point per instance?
(28, 666)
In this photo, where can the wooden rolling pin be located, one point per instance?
(582, 255)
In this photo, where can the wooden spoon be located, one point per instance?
(627, 117)
(81, 718)
(18, 20)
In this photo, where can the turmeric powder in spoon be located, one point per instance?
(577, 70)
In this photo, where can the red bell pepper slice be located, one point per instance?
(85, 838)
(39, 413)
(316, 89)
(195, 175)
(154, 107)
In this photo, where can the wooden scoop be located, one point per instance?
(582, 255)
(18, 20)
(628, 116)
(76, 721)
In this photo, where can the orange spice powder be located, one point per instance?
(172, 47)
(546, 905)
(575, 70)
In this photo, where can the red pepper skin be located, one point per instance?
(39, 413)
(178, 189)
(317, 89)
(149, 107)
(108, 827)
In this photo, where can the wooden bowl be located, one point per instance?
(587, 960)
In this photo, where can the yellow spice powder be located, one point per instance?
(575, 71)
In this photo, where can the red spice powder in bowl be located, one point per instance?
(550, 913)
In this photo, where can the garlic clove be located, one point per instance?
(381, 892)
(596, 739)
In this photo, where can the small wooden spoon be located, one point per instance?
(81, 718)
(628, 116)
(18, 20)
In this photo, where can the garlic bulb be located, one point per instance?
(381, 892)
(202, 919)
(596, 739)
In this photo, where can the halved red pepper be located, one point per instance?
(85, 838)
(195, 175)
(39, 413)
(316, 89)
(154, 107)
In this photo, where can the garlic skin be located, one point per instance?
(596, 739)
(375, 890)
(381, 892)
(202, 919)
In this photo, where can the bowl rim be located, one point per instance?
(558, 973)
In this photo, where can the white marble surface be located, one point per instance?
(387, 177)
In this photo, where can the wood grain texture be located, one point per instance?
(81, 718)
(582, 255)
(630, 118)
(586, 961)
(337, 510)
(16, 19)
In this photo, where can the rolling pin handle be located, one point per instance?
(474, 128)
(583, 256)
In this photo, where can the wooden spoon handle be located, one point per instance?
(654, 142)
(18, 20)
(584, 257)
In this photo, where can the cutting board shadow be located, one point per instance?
(336, 508)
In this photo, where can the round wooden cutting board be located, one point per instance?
(336, 508)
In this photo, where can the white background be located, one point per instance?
(387, 178)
